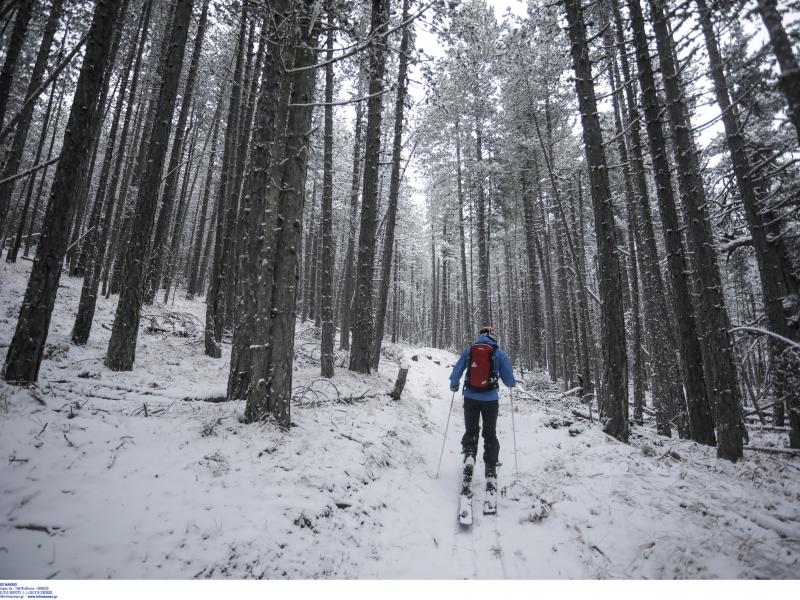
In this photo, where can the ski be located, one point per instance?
(490, 501)
(465, 498)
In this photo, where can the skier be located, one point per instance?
(484, 363)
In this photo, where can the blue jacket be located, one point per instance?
(502, 365)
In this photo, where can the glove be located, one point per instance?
(453, 387)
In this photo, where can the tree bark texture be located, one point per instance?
(615, 380)
(156, 263)
(394, 191)
(25, 352)
(12, 164)
(328, 249)
(363, 325)
(122, 345)
(714, 315)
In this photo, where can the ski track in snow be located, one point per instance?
(95, 487)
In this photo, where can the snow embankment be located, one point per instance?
(144, 475)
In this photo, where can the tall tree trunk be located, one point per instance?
(40, 189)
(176, 239)
(485, 309)
(48, 113)
(394, 191)
(309, 266)
(328, 249)
(156, 264)
(122, 345)
(535, 329)
(666, 388)
(689, 344)
(721, 371)
(95, 244)
(637, 363)
(272, 361)
(195, 274)
(614, 380)
(15, 43)
(363, 325)
(103, 107)
(259, 219)
(112, 266)
(11, 166)
(778, 281)
(348, 276)
(787, 61)
(215, 299)
(466, 322)
(25, 352)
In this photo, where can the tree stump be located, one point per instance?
(400, 383)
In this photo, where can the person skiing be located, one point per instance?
(484, 363)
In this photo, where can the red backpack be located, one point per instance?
(480, 372)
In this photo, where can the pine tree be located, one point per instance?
(25, 352)
(122, 345)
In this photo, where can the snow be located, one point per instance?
(143, 475)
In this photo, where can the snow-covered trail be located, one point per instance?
(655, 509)
(139, 475)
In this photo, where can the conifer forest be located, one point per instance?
(244, 242)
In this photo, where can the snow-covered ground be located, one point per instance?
(143, 475)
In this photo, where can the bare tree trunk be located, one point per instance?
(615, 380)
(260, 216)
(467, 325)
(23, 219)
(14, 155)
(348, 276)
(666, 380)
(95, 244)
(725, 398)
(778, 281)
(787, 61)
(394, 191)
(215, 298)
(156, 264)
(40, 189)
(691, 354)
(195, 274)
(114, 260)
(25, 352)
(272, 365)
(328, 249)
(484, 310)
(363, 325)
(535, 328)
(103, 107)
(15, 43)
(122, 345)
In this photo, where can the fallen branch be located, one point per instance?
(582, 415)
(774, 428)
(214, 399)
(787, 451)
(33, 527)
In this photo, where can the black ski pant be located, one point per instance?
(474, 411)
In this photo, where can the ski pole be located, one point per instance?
(444, 439)
(514, 434)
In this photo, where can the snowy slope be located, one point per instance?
(142, 475)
